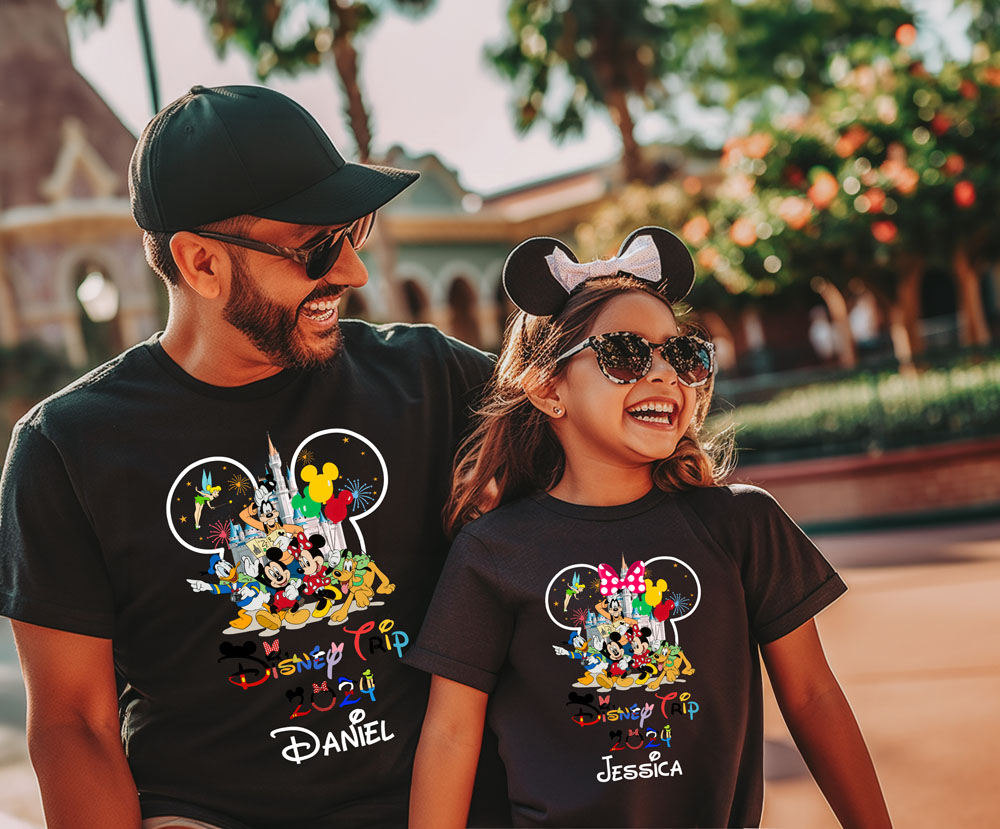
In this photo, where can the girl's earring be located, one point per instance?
(557, 411)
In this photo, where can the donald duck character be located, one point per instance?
(242, 588)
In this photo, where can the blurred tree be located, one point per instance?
(984, 26)
(611, 53)
(564, 56)
(893, 169)
(293, 36)
(730, 52)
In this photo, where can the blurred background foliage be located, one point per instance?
(850, 166)
(870, 412)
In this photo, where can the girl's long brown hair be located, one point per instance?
(512, 451)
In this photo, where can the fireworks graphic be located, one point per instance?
(307, 456)
(681, 604)
(595, 584)
(239, 484)
(579, 616)
(362, 493)
(219, 533)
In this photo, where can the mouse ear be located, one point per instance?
(528, 280)
(676, 264)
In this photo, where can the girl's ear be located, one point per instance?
(543, 396)
(202, 263)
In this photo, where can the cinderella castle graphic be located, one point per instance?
(247, 540)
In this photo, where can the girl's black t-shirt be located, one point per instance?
(123, 505)
(619, 646)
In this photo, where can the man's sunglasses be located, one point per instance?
(624, 357)
(319, 257)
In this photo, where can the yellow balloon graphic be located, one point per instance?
(654, 592)
(320, 484)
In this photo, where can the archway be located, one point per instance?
(98, 303)
(504, 307)
(415, 300)
(354, 306)
(463, 320)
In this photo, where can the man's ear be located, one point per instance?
(544, 396)
(203, 263)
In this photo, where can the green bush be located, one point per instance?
(869, 413)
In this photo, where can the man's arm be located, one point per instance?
(824, 728)
(74, 737)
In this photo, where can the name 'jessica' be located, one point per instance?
(631, 771)
(304, 744)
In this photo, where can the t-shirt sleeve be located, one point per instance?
(52, 572)
(468, 628)
(786, 579)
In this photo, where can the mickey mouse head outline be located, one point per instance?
(171, 494)
(673, 621)
(353, 519)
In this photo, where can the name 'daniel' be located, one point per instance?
(305, 744)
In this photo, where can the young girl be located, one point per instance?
(637, 701)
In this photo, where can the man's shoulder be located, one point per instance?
(404, 335)
(415, 345)
(89, 395)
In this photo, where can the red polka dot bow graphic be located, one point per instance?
(634, 579)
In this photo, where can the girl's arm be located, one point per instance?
(824, 728)
(445, 766)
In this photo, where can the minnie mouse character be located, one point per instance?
(316, 575)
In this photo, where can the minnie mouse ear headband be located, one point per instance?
(541, 273)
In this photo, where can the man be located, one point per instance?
(329, 434)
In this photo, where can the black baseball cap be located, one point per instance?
(233, 150)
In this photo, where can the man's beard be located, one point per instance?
(272, 327)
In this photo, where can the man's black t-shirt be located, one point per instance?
(261, 556)
(619, 646)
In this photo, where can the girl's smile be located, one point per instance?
(612, 433)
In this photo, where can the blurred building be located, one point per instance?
(438, 252)
(72, 272)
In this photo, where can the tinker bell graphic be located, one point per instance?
(205, 495)
(574, 589)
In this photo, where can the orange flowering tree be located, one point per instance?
(893, 169)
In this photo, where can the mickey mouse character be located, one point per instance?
(617, 670)
(284, 605)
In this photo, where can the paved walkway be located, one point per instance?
(914, 643)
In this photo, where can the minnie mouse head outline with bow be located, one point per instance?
(541, 273)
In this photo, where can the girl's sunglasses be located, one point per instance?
(624, 357)
(319, 257)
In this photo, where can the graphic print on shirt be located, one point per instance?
(286, 548)
(624, 637)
